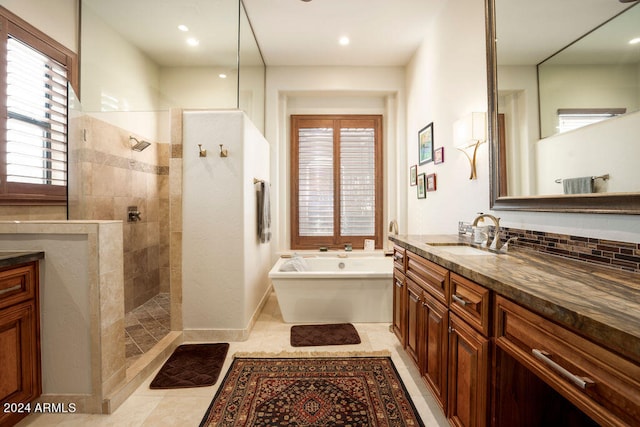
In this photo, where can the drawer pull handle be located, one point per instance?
(414, 298)
(399, 283)
(397, 257)
(460, 300)
(13, 288)
(544, 357)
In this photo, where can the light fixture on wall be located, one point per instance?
(468, 133)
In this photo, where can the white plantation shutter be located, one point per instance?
(315, 182)
(357, 182)
(336, 180)
(36, 117)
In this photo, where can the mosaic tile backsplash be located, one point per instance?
(621, 255)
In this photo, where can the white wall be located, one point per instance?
(56, 18)
(224, 266)
(446, 80)
(518, 101)
(335, 90)
(585, 86)
(592, 151)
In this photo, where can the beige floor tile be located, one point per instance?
(186, 407)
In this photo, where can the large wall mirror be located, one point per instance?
(564, 105)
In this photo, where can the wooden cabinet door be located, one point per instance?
(468, 375)
(399, 306)
(19, 358)
(433, 347)
(414, 293)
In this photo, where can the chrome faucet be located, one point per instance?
(496, 222)
(393, 227)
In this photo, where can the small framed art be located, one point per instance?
(422, 190)
(430, 184)
(425, 144)
(438, 156)
(413, 175)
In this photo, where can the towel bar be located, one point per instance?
(603, 177)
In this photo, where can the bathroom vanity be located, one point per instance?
(521, 338)
(20, 362)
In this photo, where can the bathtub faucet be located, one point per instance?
(393, 227)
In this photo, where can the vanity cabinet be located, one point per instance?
(20, 376)
(434, 323)
(469, 327)
(598, 382)
(399, 295)
(447, 337)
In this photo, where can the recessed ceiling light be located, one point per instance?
(222, 75)
(191, 41)
(183, 27)
(634, 41)
(344, 40)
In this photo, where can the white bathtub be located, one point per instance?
(353, 289)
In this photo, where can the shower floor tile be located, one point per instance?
(145, 326)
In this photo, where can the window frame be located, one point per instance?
(16, 193)
(336, 241)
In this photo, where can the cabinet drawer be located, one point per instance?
(399, 258)
(471, 302)
(433, 278)
(17, 284)
(602, 384)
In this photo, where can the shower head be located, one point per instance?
(138, 145)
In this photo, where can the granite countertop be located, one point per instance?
(11, 258)
(599, 303)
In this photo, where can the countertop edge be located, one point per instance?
(13, 258)
(611, 337)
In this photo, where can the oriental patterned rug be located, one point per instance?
(315, 391)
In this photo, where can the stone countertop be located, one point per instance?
(11, 258)
(599, 303)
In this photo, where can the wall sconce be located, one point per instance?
(469, 132)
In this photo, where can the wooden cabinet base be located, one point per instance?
(20, 377)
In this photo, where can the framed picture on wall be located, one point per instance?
(439, 156)
(425, 144)
(413, 175)
(422, 189)
(431, 182)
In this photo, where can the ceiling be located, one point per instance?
(306, 33)
(382, 32)
(529, 31)
(289, 32)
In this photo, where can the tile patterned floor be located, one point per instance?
(145, 326)
(186, 407)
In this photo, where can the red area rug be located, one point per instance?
(321, 391)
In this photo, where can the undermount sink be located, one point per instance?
(461, 249)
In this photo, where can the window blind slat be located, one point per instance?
(37, 116)
(315, 183)
(357, 182)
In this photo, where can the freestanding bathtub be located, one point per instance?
(358, 288)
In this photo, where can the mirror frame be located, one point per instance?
(616, 203)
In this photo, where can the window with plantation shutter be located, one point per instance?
(336, 191)
(33, 167)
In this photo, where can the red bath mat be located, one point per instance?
(329, 334)
(191, 365)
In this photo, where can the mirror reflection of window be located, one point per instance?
(574, 118)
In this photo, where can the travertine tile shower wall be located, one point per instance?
(111, 177)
